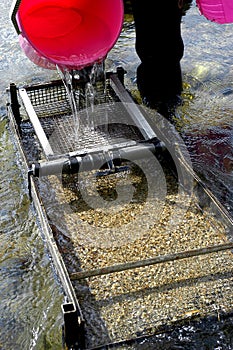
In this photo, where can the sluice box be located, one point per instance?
(138, 242)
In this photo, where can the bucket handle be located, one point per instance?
(13, 12)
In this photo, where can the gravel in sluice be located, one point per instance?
(139, 301)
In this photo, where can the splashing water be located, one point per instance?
(84, 84)
(88, 85)
(67, 78)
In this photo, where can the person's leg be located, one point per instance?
(160, 48)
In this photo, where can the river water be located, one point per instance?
(30, 314)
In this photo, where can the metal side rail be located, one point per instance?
(131, 107)
(36, 123)
(73, 326)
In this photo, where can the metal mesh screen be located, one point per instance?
(107, 124)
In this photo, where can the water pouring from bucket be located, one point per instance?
(68, 35)
(72, 34)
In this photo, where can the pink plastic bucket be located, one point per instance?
(220, 11)
(69, 33)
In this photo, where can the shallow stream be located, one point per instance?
(30, 313)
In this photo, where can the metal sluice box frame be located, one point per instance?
(41, 103)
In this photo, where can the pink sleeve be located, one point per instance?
(220, 11)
